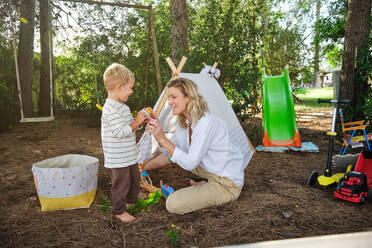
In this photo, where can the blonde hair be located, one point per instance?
(116, 74)
(197, 106)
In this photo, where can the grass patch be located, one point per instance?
(310, 97)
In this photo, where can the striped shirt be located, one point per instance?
(118, 139)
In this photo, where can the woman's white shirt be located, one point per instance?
(211, 148)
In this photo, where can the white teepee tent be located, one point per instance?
(218, 105)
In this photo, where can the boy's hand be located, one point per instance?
(140, 118)
(138, 121)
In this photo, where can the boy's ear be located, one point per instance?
(119, 86)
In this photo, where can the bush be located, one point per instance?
(7, 107)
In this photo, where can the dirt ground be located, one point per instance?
(275, 203)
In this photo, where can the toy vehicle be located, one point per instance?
(166, 190)
(328, 178)
(353, 187)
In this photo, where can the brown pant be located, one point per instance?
(125, 187)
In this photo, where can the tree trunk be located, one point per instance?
(25, 54)
(45, 73)
(357, 31)
(316, 79)
(179, 20)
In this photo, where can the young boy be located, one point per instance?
(119, 140)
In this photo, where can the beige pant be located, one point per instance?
(217, 191)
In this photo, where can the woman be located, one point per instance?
(201, 144)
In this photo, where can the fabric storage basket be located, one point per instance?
(66, 182)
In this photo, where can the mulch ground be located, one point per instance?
(275, 203)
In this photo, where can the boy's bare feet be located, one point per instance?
(125, 217)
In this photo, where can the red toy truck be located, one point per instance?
(355, 185)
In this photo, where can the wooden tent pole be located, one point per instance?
(171, 65)
(156, 55)
(175, 74)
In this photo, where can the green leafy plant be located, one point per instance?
(105, 208)
(173, 234)
(142, 203)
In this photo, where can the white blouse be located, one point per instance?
(211, 148)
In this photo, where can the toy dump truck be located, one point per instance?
(353, 187)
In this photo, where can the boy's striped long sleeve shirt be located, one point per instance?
(118, 139)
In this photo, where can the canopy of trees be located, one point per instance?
(87, 38)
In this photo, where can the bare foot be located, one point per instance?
(125, 217)
(192, 182)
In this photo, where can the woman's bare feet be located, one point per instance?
(189, 180)
(125, 217)
(192, 182)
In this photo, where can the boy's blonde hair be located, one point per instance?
(197, 106)
(116, 74)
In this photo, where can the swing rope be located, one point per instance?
(90, 20)
(12, 23)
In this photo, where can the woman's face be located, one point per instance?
(177, 100)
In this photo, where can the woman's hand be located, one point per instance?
(154, 127)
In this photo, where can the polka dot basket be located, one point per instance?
(66, 182)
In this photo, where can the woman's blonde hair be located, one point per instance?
(116, 74)
(197, 106)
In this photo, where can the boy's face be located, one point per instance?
(124, 91)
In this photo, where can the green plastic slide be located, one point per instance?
(279, 119)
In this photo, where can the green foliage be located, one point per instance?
(332, 31)
(363, 75)
(75, 83)
(226, 32)
(283, 42)
(8, 90)
(173, 234)
(105, 208)
(7, 107)
(332, 27)
(142, 203)
(122, 38)
(334, 55)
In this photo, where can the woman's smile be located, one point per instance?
(177, 100)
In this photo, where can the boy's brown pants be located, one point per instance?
(125, 187)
